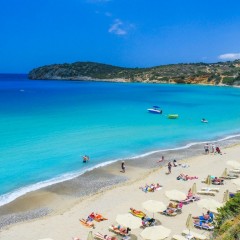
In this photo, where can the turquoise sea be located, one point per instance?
(47, 126)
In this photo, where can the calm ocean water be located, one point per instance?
(47, 126)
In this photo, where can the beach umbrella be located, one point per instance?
(154, 206)
(128, 220)
(208, 180)
(234, 164)
(90, 236)
(155, 233)
(225, 173)
(175, 195)
(236, 181)
(189, 223)
(194, 189)
(209, 204)
(226, 196)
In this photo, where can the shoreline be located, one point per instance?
(92, 182)
(18, 193)
(63, 223)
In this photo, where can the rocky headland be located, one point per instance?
(221, 73)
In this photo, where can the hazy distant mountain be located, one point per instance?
(192, 73)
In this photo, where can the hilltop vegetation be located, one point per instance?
(197, 73)
(228, 220)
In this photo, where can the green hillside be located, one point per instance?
(195, 73)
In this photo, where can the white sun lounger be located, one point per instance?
(194, 234)
(178, 237)
(235, 170)
(210, 189)
(210, 193)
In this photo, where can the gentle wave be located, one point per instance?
(11, 196)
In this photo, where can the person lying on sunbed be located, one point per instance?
(121, 230)
(173, 208)
(91, 217)
(137, 213)
(151, 188)
(87, 223)
(104, 237)
(109, 237)
(217, 181)
(208, 217)
(147, 222)
(185, 177)
(98, 217)
(204, 224)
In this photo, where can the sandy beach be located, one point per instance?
(58, 208)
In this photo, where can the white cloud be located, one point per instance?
(229, 56)
(119, 28)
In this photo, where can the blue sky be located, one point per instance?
(131, 33)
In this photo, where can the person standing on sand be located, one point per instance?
(123, 166)
(206, 148)
(212, 148)
(169, 167)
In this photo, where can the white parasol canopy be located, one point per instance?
(154, 206)
(155, 233)
(175, 195)
(128, 220)
(209, 204)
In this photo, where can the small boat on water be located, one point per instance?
(204, 120)
(155, 109)
(172, 116)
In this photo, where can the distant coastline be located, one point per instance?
(221, 73)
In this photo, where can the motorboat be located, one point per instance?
(155, 109)
(172, 116)
(204, 120)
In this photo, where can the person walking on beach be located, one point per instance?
(169, 167)
(206, 148)
(123, 166)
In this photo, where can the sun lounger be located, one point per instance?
(210, 189)
(235, 170)
(148, 222)
(169, 213)
(103, 237)
(137, 213)
(178, 237)
(191, 199)
(231, 176)
(86, 223)
(99, 217)
(210, 193)
(194, 234)
(203, 226)
(117, 231)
